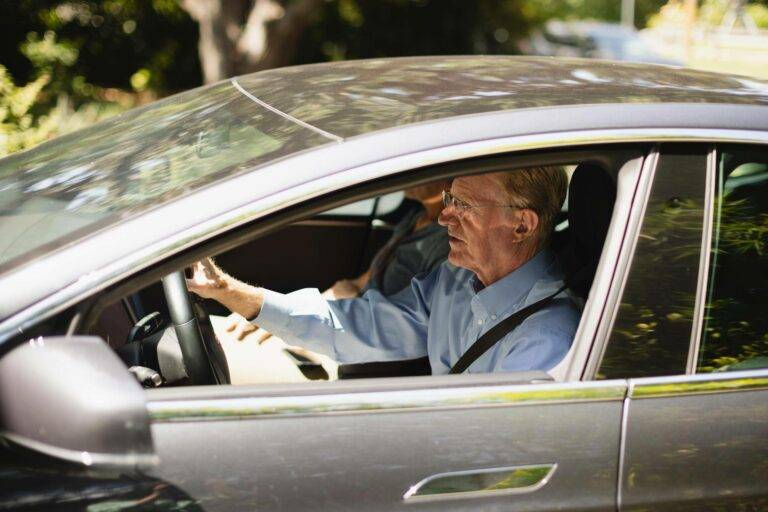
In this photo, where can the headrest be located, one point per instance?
(591, 195)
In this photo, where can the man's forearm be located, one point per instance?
(240, 298)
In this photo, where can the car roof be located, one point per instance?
(352, 98)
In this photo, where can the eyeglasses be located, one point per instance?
(463, 206)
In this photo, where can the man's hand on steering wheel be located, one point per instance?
(208, 280)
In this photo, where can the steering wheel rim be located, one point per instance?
(203, 358)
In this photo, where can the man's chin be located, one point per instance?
(456, 259)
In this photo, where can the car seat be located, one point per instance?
(591, 195)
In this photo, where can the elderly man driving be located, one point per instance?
(499, 263)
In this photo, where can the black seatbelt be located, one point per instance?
(498, 331)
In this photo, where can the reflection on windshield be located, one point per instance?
(72, 186)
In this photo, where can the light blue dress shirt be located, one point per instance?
(440, 315)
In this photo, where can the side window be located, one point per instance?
(652, 331)
(382, 205)
(735, 331)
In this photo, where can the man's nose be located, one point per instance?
(447, 215)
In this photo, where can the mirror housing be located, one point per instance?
(71, 398)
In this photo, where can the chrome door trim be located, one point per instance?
(485, 482)
(572, 365)
(624, 263)
(233, 190)
(715, 246)
(623, 446)
(427, 399)
(704, 255)
(700, 384)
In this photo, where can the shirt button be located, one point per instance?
(479, 322)
(493, 317)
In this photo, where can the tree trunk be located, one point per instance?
(241, 36)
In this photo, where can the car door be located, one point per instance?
(432, 443)
(691, 331)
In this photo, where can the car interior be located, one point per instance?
(326, 239)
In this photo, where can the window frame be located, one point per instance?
(609, 154)
(718, 148)
(623, 264)
(703, 275)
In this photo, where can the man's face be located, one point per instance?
(480, 238)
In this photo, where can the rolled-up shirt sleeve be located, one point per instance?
(369, 328)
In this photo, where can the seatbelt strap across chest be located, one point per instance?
(498, 331)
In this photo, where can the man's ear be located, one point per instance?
(528, 222)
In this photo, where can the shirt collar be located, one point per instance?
(513, 288)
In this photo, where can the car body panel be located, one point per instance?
(697, 443)
(293, 452)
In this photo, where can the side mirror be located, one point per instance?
(73, 399)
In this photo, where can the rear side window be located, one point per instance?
(735, 331)
(653, 327)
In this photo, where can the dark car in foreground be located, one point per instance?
(290, 177)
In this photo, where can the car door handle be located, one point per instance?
(482, 482)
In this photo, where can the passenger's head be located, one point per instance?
(498, 221)
(427, 191)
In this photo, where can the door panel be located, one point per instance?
(370, 448)
(697, 443)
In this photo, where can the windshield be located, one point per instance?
(70, 187)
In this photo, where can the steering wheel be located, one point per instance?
(203, 356)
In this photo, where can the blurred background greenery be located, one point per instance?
(66, 64)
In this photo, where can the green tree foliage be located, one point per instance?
(114, 40)
(759, 13)
(18, 128)
(350, 29)
(49, 104)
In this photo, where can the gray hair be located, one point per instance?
(541, 189)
